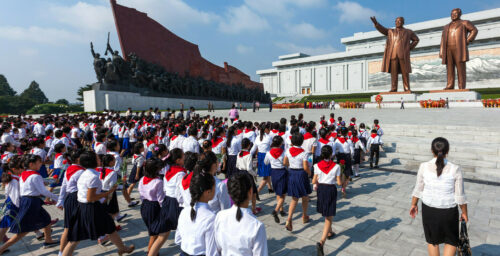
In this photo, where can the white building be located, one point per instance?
(357, 69)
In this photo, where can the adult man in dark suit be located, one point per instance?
(454, 53)
(400, 41)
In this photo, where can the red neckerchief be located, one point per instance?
(58, 155)
(187, 180)
(326, 166)
(354, 139)
(217, 141)
(281, 133)
(377, 126)
(248, 130)
(105, 172)
(341, 139)
(27, 173)
(174, 169)
(333, 135)
(136, 156)
(373, 135)
(307, 136)
(72, 170)
(274, 131)
(174, 137)
(238, 132)
(294, 151)
(332, 120)
(14, 177)
(276, 152)
(146, 180)
(243, 153)
(352, 124)
(96, 145)
(149, 143)
(324, 141)
(48, 138)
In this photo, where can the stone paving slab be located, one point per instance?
(373, 220)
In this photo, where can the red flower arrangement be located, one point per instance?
(288, 105)
(433, 103)
(491, 103)
(379, 99)
(349, 104)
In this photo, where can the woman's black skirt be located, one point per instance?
(440, 225)
(348, 163)
(31, 215)
(279, 179)
(169, 215)
(327, 199)
(357, 156)
(92, 221)
(70, 209)
(131, 177)
(150, 213)
(231, 165)
(298, 183)
(112, 205)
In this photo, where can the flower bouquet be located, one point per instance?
(379, 99)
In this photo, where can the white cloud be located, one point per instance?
(353, 12)
(305, 30)
(39, 34)
(242, 19)
(28, 52)
(171, 13)
(293, 48)
(243, 49)
(84, 16)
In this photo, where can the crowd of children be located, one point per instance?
(196, 177)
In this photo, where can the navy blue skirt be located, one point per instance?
(231, 165)
(92, 221)
(70, 209)
(150, 213)
(279, 179)
(31, 215)
(348, 163)
(263, 170)
(9, 214)
(357, 156)
(43, 171)
(112, 205)
(298, 183)
(169, 215)
(131, 177)
(327, 199)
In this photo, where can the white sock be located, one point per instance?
(102, 237)
(38, 233)
(60, 253)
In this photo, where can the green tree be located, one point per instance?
(5, 88)
(15, 104)
(62, 101)
(87, 87)
(34, 93)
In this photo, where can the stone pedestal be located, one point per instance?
(452, 95)
(396, 96)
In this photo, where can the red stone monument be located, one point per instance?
(154, 43)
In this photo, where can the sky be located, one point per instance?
(48, 41)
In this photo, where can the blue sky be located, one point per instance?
(48, 41)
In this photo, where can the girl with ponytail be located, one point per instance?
(262, 145)
(233, 148)
(10, 179)
(229, 223)
(440, 185)
(196, 223)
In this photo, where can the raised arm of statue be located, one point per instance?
(472, 31)
(379, 27)
(414, 40)
(92, 49)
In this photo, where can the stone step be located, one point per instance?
(457, 160)
(472, 137)
(441, 128)
(480, 151)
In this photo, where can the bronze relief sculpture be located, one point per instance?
(453, 52)
(396, 60)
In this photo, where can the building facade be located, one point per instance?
(357, 69)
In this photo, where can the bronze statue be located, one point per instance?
(400, 41)
(454, 53)
(99, 64)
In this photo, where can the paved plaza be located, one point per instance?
(373, 219)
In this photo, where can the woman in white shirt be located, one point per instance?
(195, 232)
(262, 145)
(440, 186)
(92, 220)
(279, 175)
(298, 179)
(233, 148)
(228, 226)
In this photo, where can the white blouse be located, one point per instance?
(445, 191)
(235, 146)
(88, 179)
(276, 163)
(221, 198)
(262, 146)
(296, 162)
(330, 178)
(230, 239)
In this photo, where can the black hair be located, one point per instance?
(100, 137)
(238, 186)
(262, 131)
(112, 144)
(375, 121)
(200, 182)
(138, 147)
(75, 155)
(59, 147)
(106, 160)
(193, 131)
(344, 131)
(297, 139)
(230, 134)
(190, 160)
(310, 126)
(152, 167)
(277, 141)
(29, 159)
(58, 133)
(205, 162)
(159, 149)
(36, 141)
(207, 144)
(88, 159)
(14, 163)
(440, 148)
(175, 154)
(294, 130)
(326, 152)
(245, 143)
(374, 131)
(362, 126)
(323, 132)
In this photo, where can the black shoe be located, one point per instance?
(371, 165)
(276, 218)
(133, 203)
(283, 213)
(40, 237)
(376, 167)
(319, 248)
(331, 236)
(121, 217)
(271, 191)
(50, 245)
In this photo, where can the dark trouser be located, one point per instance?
(398, 65)
(402, 106)
(453, 61)
(374, 151)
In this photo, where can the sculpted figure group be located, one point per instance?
(453, 51)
